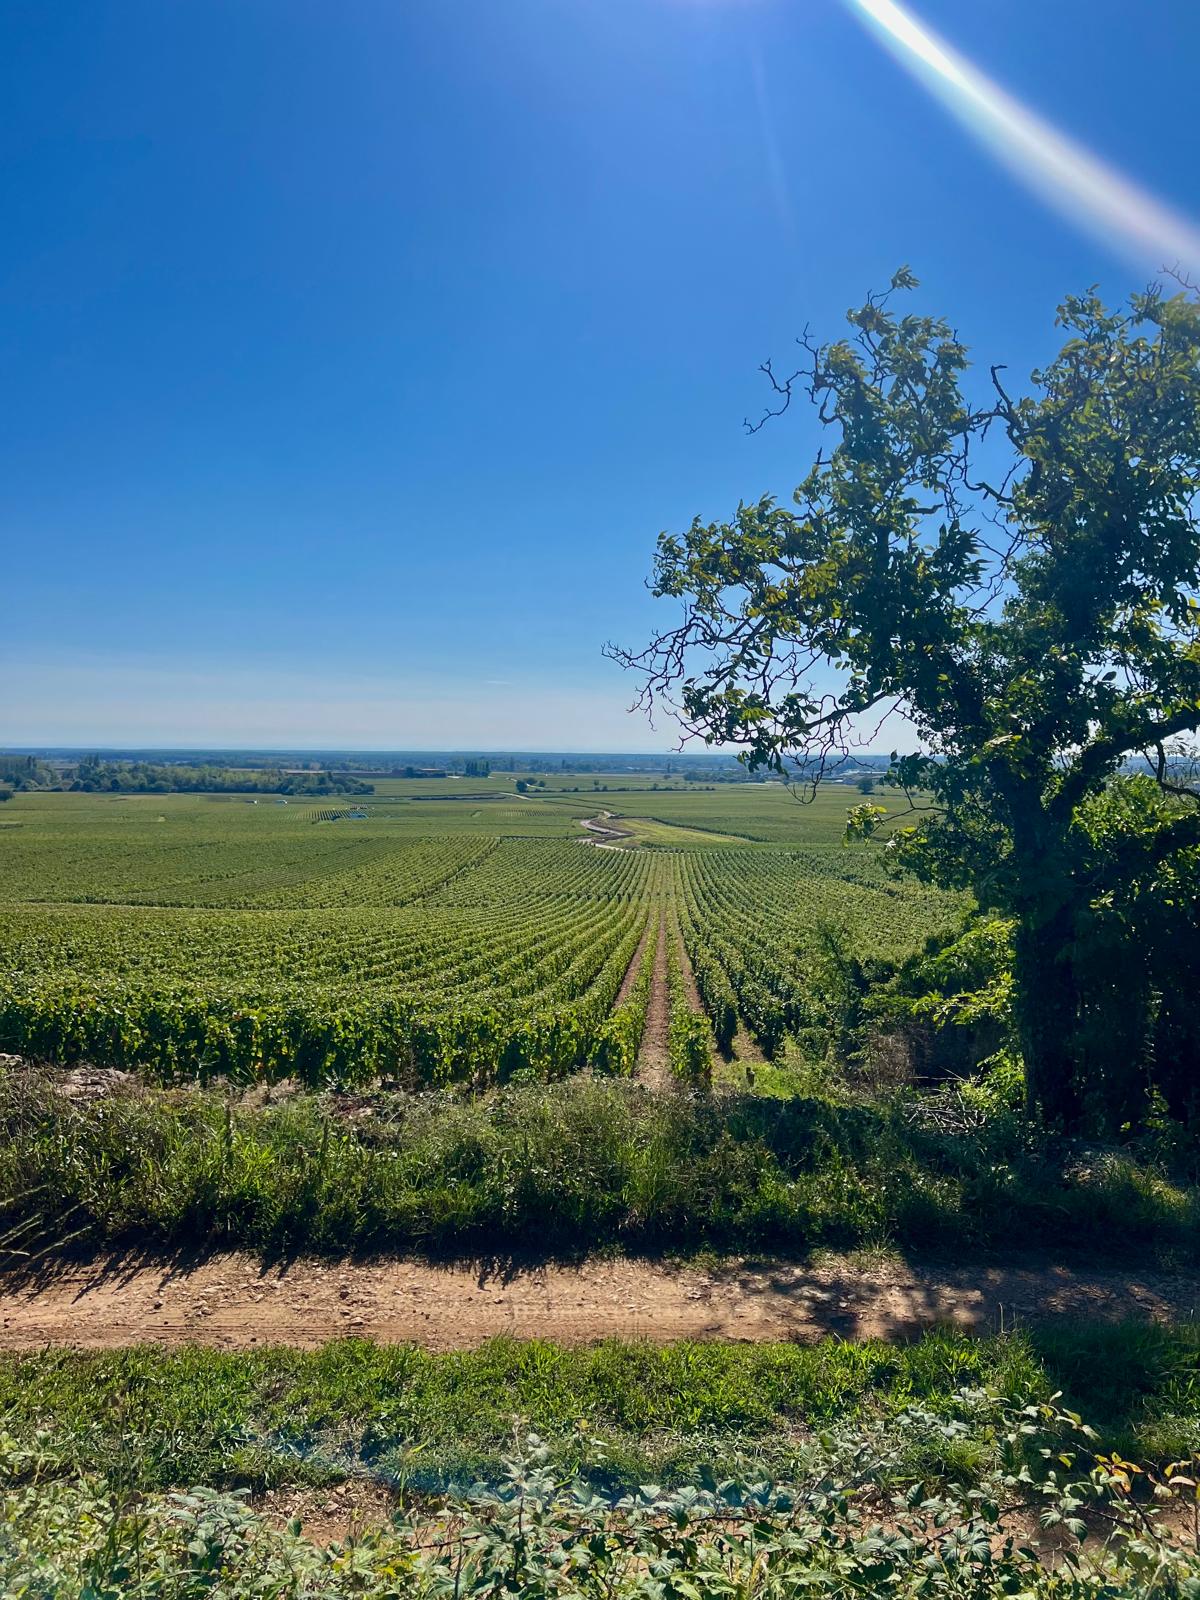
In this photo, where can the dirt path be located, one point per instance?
(745, 1052)
(654, 1057)
(602, 826)
(231, 1302)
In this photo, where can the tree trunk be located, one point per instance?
(1177, 1047)
(1047, 1002)
(1113, 1041)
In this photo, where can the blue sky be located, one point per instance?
(354, 354)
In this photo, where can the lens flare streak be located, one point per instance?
(1069, 177)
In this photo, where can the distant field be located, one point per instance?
(458, 931)
(505, 783)
(769, 812)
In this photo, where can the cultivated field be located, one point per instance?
(456, 932)
(521, 1140)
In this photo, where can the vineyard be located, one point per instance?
(196, 939)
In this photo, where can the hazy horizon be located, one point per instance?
(394, 752)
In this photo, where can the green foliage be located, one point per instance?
(162, 1419)
(688, 1036)
(566, 1167)
(209, 938)
(457, 959)
(24, 772)
(767, 813)
(766, 934)
(953, 1003)
(1035, 618)
(843, 1525)
(172, 1030)
(614, 1050)
(620, 1414)
(145, 777)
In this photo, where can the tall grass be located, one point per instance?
(562, 1168)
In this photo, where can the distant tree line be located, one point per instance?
(94, 776)
(25, 772)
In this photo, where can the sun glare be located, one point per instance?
(1068, 176)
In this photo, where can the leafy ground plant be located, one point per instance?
(1051, 1520)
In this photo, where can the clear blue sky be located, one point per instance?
(354, 353)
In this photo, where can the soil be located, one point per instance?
(745, 1051)
(632, 970)
(654, 1057)
(603, 827)
(234, 1302)
(344, 1512)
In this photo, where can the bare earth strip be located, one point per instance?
(634, 967)
(232, 1302)
(654, 1057)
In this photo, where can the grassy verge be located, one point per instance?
(150, 1419)
(563, 1168)
(1045, 1521)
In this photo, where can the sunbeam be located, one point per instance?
(1113, 207)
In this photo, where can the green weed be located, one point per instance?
(562, 1169)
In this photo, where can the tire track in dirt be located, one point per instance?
(603, 834)
(233, 1302)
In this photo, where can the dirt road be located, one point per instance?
(603, 827)
(233, 1302)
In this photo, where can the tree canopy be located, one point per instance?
(144, 777)
(1017, 577)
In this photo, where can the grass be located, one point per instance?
(966, 1525)
(149, 1419)
(645, 830)
(561, 1169)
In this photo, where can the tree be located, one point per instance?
(1017, 577)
